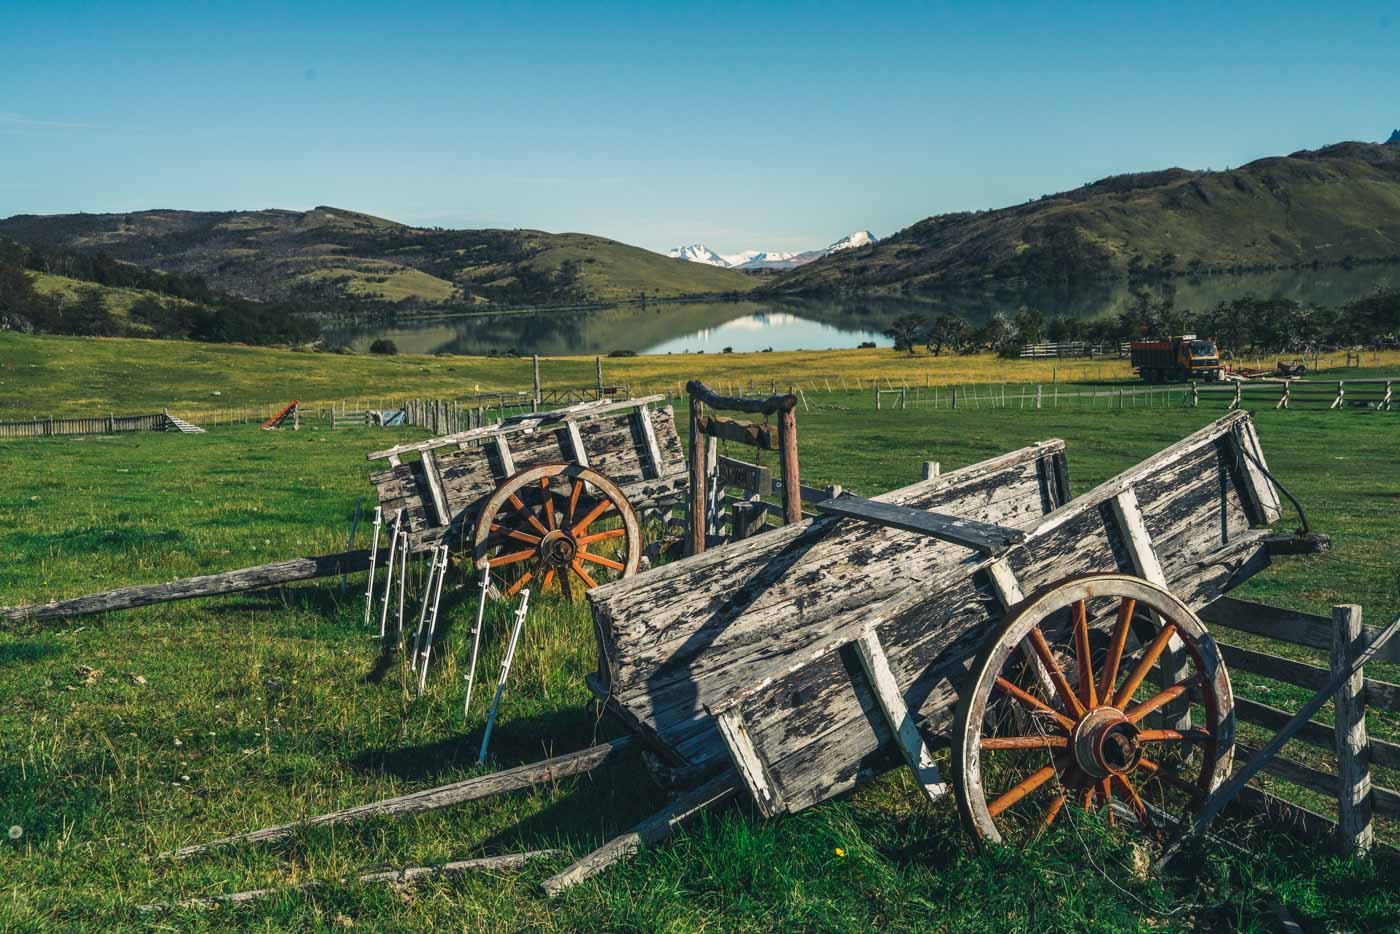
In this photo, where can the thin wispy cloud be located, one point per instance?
(11, 119)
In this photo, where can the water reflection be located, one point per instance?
(745, 326)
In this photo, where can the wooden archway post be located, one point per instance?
(700, 426)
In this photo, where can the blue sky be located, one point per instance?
(778, 126)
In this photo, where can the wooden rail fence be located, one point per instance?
(98, 425)
(1358, 797)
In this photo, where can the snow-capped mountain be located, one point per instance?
(698, 253)
(859, 238)
(768, 259)
(756, 256)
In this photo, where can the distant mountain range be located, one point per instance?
(1337, 204)
(335, 256)
(768, 259)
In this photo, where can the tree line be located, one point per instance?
(181, 307)
(1250, 324)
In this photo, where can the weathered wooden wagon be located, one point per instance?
(1051, 641)
(561, 494)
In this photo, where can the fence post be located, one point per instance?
(931, 469)
(535, 399)
(877, 396)
(598, 366)
(1341, 394)
(1353, 748)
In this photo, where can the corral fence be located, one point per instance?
(1347, 742)
(1292, 394)
(92, 425)
(1073, 349)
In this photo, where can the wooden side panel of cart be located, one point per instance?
(441, 483)
(700, 630)
(1188, 518)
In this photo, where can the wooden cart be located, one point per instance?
(1051, 641)
(545, 496)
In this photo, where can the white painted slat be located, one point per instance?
(430, 474)
(576, 443)
(745, 757)
(891, 700)
(643, 416)
(503, 455)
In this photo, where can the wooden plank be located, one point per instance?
(428, 464)
(906, 733)
(431, 799)
(189, 588)
(643, 417)
(746, 762)
(1385, 801)
(984, 537)
(1312, 677)
(392, 876)
(1260, 490)
(649, 832)
(580, 453)
(770, 406)
(1384, 754)
(752, 478)
(1293, 626)
(504, 456)
(1139, 543)
(763, 437)
(1004, 584)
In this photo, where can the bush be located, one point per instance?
(727, 350)
(384, 346)
(622, 353)
(866, 345)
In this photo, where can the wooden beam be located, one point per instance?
(503, 455)
(983, 537)
(751, 478)
(1378, 693)
(698, 390)
(392, 876)
(1260, 491)
(1293, 626)
(576, 447)
(1356, 798)
(430, 799)
(746, 762)
(189, 588)
(643, 417)
(1139, 543)
(430, 476)
(647, 833)
(699, 481)
(763, 437)
(891, 700)
(787, 456)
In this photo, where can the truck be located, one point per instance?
(1176, 358)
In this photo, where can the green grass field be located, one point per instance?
(221, 715)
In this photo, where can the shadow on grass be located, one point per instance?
(11, 652)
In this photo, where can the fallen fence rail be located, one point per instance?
(90, 425)
(188, 588)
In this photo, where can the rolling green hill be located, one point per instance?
(332, 255)
(1331, 205)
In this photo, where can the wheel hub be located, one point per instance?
(558, 548)
(1106, 743)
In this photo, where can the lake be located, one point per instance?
(747, 326)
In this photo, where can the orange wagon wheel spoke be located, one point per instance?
(517, 535)
(1022, 788)
(605, 562)
(1057, 674)
(1024, 742)
(600, 536)
(529, 515)
(513, 557)
(520, 582)
(1083, 656)
(1053, 810)
(1115, 647)
(548, 503)
(1162, 698)
(573, 499)
(1144, 665)
(582, 525)
(1035, 703)
(589, 582)
(1134, 800)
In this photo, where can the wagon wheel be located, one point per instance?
(1093, 736)
(559, 523)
